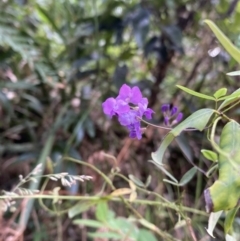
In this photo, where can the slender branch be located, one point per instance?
(165, 128)
(109, 198)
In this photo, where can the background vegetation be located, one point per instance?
(59, 60)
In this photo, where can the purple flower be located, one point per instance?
(128, 118)
(113, 107)
(135, 130)
(129, 106)
(129, 95)
(170, 112)
(179, 117)
(165, 108)
(174, 110)
(148, 113)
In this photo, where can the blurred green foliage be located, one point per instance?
(59, 59)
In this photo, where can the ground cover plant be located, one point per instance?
(119, 120)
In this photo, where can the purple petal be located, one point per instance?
(108, 106)
(174, 110)
(166, 121)
(148, 113)
(165, 108)
(112, 107)
(135, 130)
(124, 93)
(144, 103)
(127, 118)
(121, 107)
(136, 95)
(179, 117)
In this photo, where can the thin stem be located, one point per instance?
(236, 103)
(217, 148)
(109, 198)
(167, 128)
(59, 223)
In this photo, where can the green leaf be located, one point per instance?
(148, 181)
(234, 73)
(227, 44)
(48, 18)
(229, 220)
(105, 235)
(103, 213)
(145, 235)
(230, 99)
(212, 221)
(219, 93)
(210, 155)
(158, 155)
(235, 94)
(188, 176)
(80, 208)
(161, 167)
(198, 120)
(136, 181)
(185, 147)
(128, 228)
(88, 223)
(194, 93)
(225, 193)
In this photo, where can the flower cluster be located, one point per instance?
(171, 113)
(129, 106)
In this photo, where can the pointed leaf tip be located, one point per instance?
(227, 44)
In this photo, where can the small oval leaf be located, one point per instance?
(210, 155)
(188, 176)
(149, 179)
(219, 93)
(80, 208)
